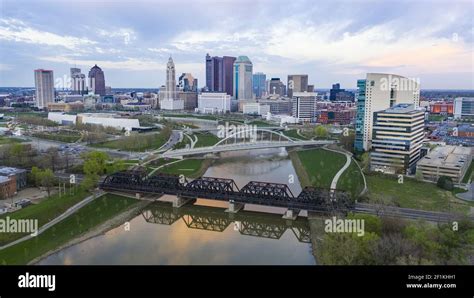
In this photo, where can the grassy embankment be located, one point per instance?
(46, 210)
(84, 220)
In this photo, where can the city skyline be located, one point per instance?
(364, 37)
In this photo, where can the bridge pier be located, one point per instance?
(181, 201)
(291, 214)
(234, 207)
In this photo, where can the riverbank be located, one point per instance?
(101, 229)
(84, 220)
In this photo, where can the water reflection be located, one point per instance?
(215, 219)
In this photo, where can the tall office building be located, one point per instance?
(243, 70)
(170, 100)
(338, 94)
(464, 107)
(258, 83)
(219, 74)
(276, 87)
(97, 80)
(188, 83)
(304, 106)
(397, 137)
(379, 92)
(44, 85)
(297, 83)
(78, 81)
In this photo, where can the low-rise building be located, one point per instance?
(450, 161)
(213, 102)
(7, 187)
(256, 108)
(20, 175)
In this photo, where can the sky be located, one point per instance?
(331, 41)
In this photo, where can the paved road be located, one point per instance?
(407, 213)
(66, 214)
(469, 195)
(342, 170)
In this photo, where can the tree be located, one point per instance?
(47, 180)
(347, 141)
(94, 165)
(445, 182)
(35, 176)
(321, 132)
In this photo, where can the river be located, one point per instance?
(203, 233)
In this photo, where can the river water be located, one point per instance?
(203, 233)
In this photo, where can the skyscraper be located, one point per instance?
(243, 70)
(304, 106)
(170, 101)
(276, 87)
(297, 83)
(379, 92)
(219, 77)
(78, 81)
(44, 85)
(97, 80)
(258, 84)
(188, 83)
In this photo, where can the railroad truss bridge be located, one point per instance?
(254, 192)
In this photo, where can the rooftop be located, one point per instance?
(10, 170)
(447, 156)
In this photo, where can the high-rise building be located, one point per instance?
(188, 83)
(170, 100)
(304, 106)
(338, 94)
(464, 107)
(297, 83)
(379, 92)
(219, 76)
(243, 70)
(97, 80)
(258, 84)
(44, 84)
(276, 87)
(397, 137)
(78, 81)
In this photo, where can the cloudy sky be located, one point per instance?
(332, 41)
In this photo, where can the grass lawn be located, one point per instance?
(137, 142)
(205, 117)
(351, 180)
(413, 194)
(85, 219)
(319, 165)
(293, 134)
(436, 117)
(9, 140)
(44, 211)
(469, 173)
(191, 168)
(183, 143)
(206, 139)
(260, 123)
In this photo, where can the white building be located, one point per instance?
(170, 100)
(44, 84)
(243, 72)
(213, 102)
(255, 108)
(304, 106)
(281, 119)
(464, 107)
(378, 92)
(104, 119)
(449, 161)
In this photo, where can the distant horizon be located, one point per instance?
(333, 41)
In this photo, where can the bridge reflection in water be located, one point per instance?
(250, 223)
